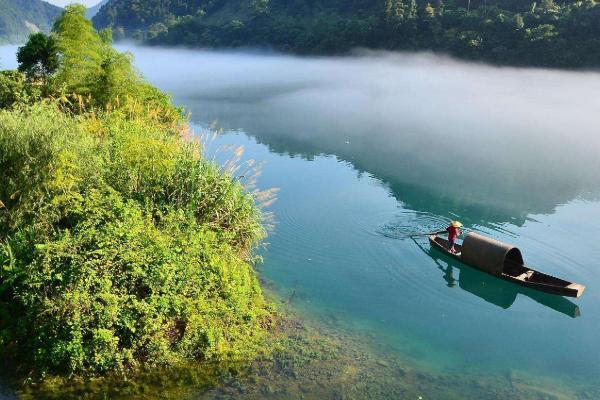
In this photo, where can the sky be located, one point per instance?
(63, 3)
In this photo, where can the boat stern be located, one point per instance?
(577, 289)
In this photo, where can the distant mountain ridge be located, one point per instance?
(545, 33)
(19, 18)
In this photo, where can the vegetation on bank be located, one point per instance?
(516, 32)
(121, 246)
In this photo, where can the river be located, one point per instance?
(370, 148)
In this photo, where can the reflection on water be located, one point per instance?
(491, 289)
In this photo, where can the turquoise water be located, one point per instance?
(329, 254)
(368, 149)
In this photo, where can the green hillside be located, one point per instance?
(514, 32)
(19, 18)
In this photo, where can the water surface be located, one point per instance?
(369, 148)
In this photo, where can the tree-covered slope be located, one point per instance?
(19, 18)
(516, 32)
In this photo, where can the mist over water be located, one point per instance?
(503, 141)
(507, 141)
(8, 58)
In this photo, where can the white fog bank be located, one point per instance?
(494, 136)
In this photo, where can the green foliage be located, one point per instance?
(38, 59)
(14, 90)
(93, 75)
(136, 14)
(545, 33)
(117, 248)
(106, 35)
(120, 245)
(82, 49)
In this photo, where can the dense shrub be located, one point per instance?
(115, 251)
(120, 244)
(14, 90)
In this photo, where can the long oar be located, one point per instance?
(412, 235)
(417, 234)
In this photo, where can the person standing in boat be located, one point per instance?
(453, 233)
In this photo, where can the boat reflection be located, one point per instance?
(491, 289)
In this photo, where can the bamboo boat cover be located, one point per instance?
(488, 254)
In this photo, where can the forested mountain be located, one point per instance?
(19, 18)
(516, 32)
(92, 11)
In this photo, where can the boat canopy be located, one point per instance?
(489, 255)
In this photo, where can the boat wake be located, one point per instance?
(408, 224)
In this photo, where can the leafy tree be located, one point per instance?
(81, 48)
(157, 29)
(106, 35)
(519, 23)
(541, 33)
(38, 59)
(92, 70)
(429, 11)
(260, 6)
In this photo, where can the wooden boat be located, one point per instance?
(505, 262)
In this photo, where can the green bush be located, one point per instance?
(122, 246)
(14, 90)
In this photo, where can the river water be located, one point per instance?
(371, 148)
